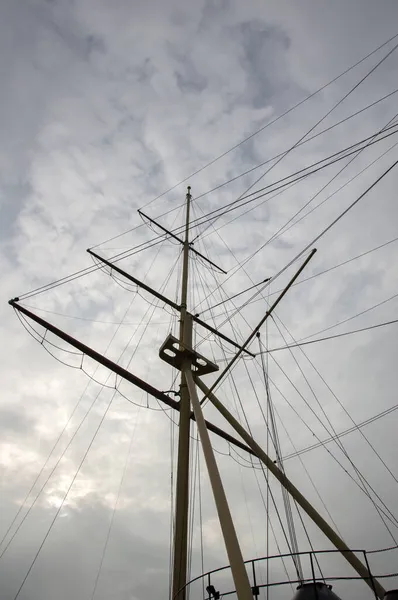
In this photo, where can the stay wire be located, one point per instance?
(265, 369)
(134, 250)
(323, 231)
(381, 61)
(284, 183)
(338, 441)
(341, 405)
(352, 115)
(305, 279)
(259, 165)
(63, 499)
(76, 431)
(377, 509)
(289, 110)
(342, 433)
(282, 229)
(333, 456)
(287, 182)
(285, 496)
(354, 155)
(329, 451)
(306, 141)
(331, 337)
(122, 255)
(358, 314)
(235, 393)
(126, 462)
(361, 477)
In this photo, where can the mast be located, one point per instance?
(188, 395)
(180, 354)
(182, 485)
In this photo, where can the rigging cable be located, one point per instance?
(361, 477)
(306, 141)
(305, 279)
(80, 425)
(381, 61)
(64, 498)
(364, 490)
(235, 394)
(126, 462)
(352, 115)
(138, 248)
(326, 229)
(320, 89)
(341, 405)
(330, 337)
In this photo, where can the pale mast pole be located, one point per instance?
(182, 484)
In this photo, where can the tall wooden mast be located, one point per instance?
(182, 485)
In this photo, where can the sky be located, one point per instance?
(111, 107)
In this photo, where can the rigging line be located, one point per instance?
(273, 433)
(327, 129)
(348, 318)
(343, 467)
(341, 404)
(303, 217)
(269, 522)
(319, 273)
(381, 61)
(235, 394)
(194, 461)
(283, 458)
(63, 499)
(48, 478)
(330, 337)
(341, 434)
(154, 307)
(134, 250)
(271, 122)
(139, 248)
(72, 438)
(41, 338)
(288, 225)
(46, 349)
(171, 528)
(283, 229)
(335, 458)
(137, 404)
(329, 452)
(337, 439)
(388, 129)
(299, 416)
(323, 231)
(256, 552)
(341, 447)
(53, 312)
(26, 498)
(78, 274)
(202, 562)
(284, 183)
(126, 462)
(345, 184)
(88, 270)
(253, 168)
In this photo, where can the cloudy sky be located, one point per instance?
(104, 107)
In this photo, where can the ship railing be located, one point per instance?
(218, 583)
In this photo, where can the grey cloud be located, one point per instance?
(104, 108)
